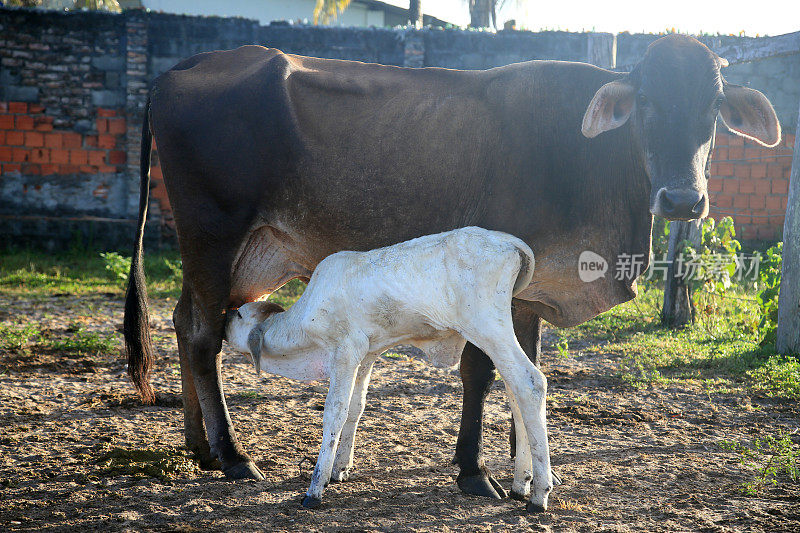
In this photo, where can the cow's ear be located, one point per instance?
(609, 109)
(748, 113)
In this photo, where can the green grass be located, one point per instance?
(720, 351)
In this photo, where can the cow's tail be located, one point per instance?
(526, 266)
(136, 325)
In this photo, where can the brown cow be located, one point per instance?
(274, 161)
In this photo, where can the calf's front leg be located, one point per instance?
(344, 453)
(344, 365)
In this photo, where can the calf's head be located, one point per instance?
(243, 329)
(672, 99)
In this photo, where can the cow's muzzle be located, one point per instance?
(680, 204)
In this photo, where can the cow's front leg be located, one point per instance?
(200, 340)
(344, 366)
(344, 453)
(477, 376)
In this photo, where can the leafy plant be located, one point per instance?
(82, 342)
(118, 266)
(774, 457)
(768, 286)
(779, 376)
(15, 340)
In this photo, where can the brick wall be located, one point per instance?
(751, 184)
(73, 87)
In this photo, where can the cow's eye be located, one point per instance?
(238, 314)
(642, 101)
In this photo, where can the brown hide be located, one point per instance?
(265, 151)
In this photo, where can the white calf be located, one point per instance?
(435, 292)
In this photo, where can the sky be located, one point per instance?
(687, 16)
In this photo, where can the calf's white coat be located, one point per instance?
(436, 292)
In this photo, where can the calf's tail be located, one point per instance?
(526, 266)
(136, 325)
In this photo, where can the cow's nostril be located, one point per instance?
(667, 204)
(700, 207)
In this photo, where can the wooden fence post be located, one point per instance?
(678, 310)
(788, 334)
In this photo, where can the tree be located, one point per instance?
(326, 11)
(415, 13)
(483, 13)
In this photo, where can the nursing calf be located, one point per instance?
(435, 292)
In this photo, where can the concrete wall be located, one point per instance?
(73, 87)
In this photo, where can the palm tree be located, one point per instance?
(326, 11)
(415, 13)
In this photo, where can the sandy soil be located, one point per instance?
(630, 460)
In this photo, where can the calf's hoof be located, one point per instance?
(535, 507)
(517, 496)
(310, 502)
(481, 484)
(244, 470)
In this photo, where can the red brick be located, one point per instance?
(49, 169)
(723, 200)
(721, 139)
(69, 169)
(24, 122)
(758, 170)
(155, 172)
(788, 140)
(116, 157)
(6, 153)
(91, 141)
(43, 124)
(740, 201)
(31, 169)
(60, 157)
(105, 169)
(18, 107)
(714, 185)
(78, 157)
(736, 153)
(40, 155)
(780, 186)
(719, 153)
(778, 221)
(766, 233)
(2, 138)
(106, 141)
(19, 155)
(88, 169)
(741, 220)
(7, 122)
(777, 170)
(735, 140)
(763, 187)
(12, 167)
(52, 140)
(749, 233)
(97, 157)
(71, 140)
(34, 139)
(775, 203)
(725, 169)
(751, 152)
(102, 125)
(116, 126)
(15, 138)
(742, 170)
(747, 187)
(756, 202)
(730, 186)
(35, 109)
(106, 112)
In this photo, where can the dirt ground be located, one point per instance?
(631, 460)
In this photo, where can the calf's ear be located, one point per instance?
(609, 109)
(748, 113)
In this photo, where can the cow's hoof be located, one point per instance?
(310, 502)
(517, 496)
(556, 478)
(535, 508)
(244, 470)
(482, 484)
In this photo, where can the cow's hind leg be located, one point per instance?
(477, 376)
(199, 330)
(344, 453)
